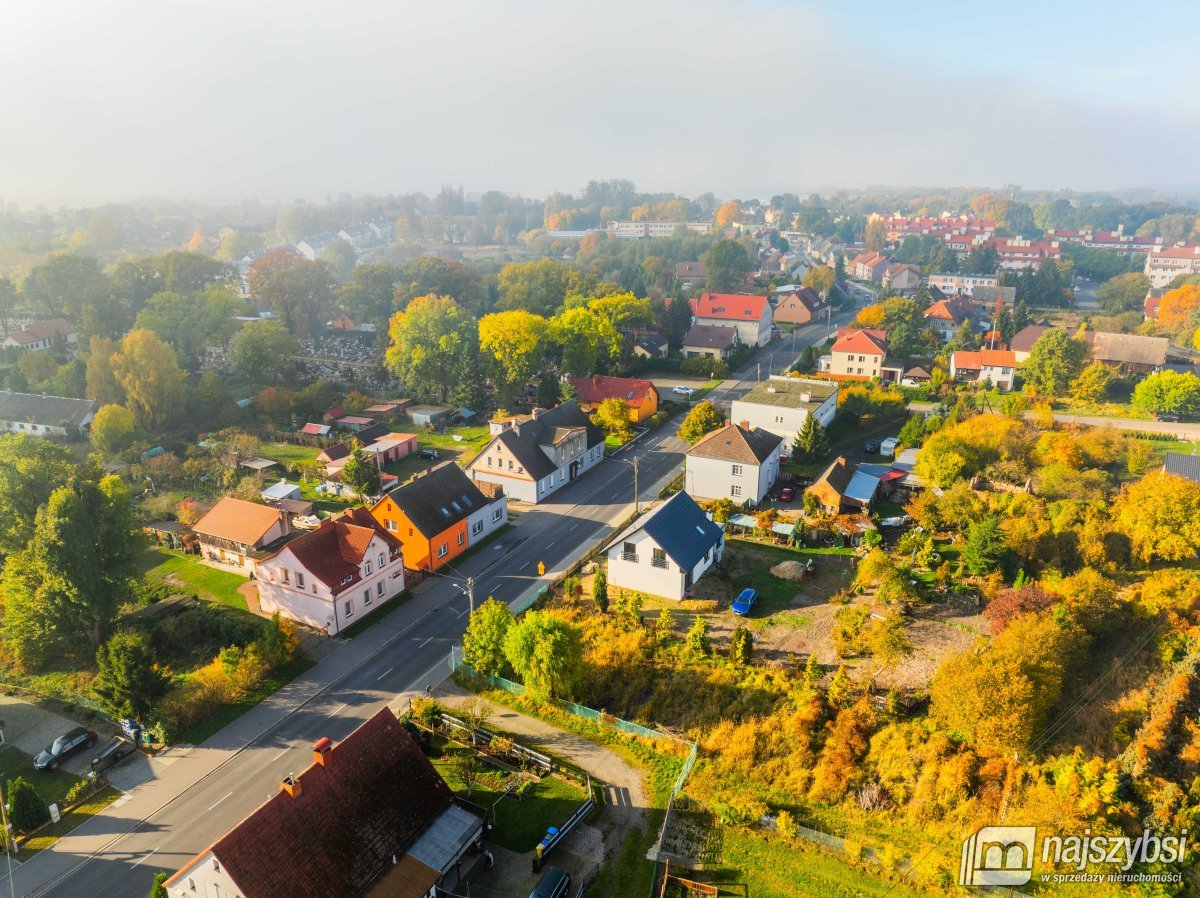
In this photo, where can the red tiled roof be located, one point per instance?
(315, 429)
(334, 552)
(373, 797)
(729, 306)
(998, 358)
(598, 387)
(862, 342)
(36, 331)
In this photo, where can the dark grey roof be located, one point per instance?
(1024, 339)
(1183, 465)
(369, 435)
(681, 529)
(54, 411)
(710, 336)
(526, 438)
(437, 499)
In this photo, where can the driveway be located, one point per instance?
(31, 727)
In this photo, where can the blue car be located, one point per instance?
(745, 601)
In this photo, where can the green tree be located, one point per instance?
(913, 431)
(31, 468)
(130, 681)
(985, 545)
(887, 641)
(541, 287)
(361, 474)
(1123, 293)
(159, 888)
(812, 442)
(546, 652)
(298, 291)
(1092, 383)
(153, 382)
(483, 643)
(600, 590)
(727, 264)
(340, 256)
(432, 343)
(102, 383)
(1168, 391)
(613, 417)
(111, 430)
(1055, 360)
(63, 283)
(264, 351)
(741, 645)
(192, 323)
(703, 418)
(511, 344)
(66, 585)
(839, 269)
(697, 642)
(577, 335)
(820, 278)
(663, 626)
(674, 322)
(26, 809)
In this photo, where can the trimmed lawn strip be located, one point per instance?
(227, 715)
(52, 832)
(208, 582)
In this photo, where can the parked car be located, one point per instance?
(1170, 417)
(63, 747)
(745, 601)
(787, 494)
(871, 447)
(682, 391)
(555, 883)
(428, 453)
(112, 754)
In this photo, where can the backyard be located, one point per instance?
(188, 573)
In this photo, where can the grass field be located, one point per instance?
(207, 582)
(52, 832)
(290, 453)
(473, 439)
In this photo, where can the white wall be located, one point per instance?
(486, 521)
(641, 575)
(534, 491)
(712, 478)
(783, 421)
(209, 880)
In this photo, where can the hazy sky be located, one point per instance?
(225, 99)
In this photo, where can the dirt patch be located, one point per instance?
(789, 570)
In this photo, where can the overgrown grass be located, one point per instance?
(207, 582)
(630, 875)
(231, 712)
(52, 832)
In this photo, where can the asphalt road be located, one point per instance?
(123, 852)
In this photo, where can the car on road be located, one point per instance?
(112, 754)
(745, 601)
(871, 447)
(682, 391)
(63, 747)
(787, 494)
(428, 453)
(1169, 417)
(555, 883)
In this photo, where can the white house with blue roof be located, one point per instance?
(666, 550)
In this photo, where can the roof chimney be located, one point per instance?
(744, 425)
(322, 752)
(291, 785)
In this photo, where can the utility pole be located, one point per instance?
(758, 371)
(471, 593)
(637, 497)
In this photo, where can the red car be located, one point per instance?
(787, 494)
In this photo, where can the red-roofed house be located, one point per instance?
(947, 315)
(997, 366)
(639, 395)
(858, 353)
(316, 430)
(38, 336)
(1164, 264)
(332, 577)
(751, 315)
(1018, 252)
(369, 816)
(1153, 297)
(902, 277)
(868, 266)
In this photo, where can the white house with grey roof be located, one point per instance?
(666, 550)
(532, 456)
(45, 416)
(736, 463)
(781, 405)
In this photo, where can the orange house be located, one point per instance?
(429, 515)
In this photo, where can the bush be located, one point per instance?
(26, 808)
(714, 369)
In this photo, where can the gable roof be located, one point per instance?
(238, 521)
(1024, 339)
(57, 411)
(318, 430)
(437, 499)
(710, 336)
(598, 387)
(373, 796)
(735, 443)
(861, 341)
(1133, 349)
(37, 331)
(836, 476)
(1182, 465)
(805, 296)
(956, 310)
(730, 306)
(334, 552)
(681, 529)
(525, 436)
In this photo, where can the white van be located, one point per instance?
(888, 447)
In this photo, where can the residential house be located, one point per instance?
(45, 416)
(868, 266)
(987, 297)
(354, 423)
(1153, 297)
(39, 336)
(332, 577)
(1018, 252)
(651, 346)
(736, 462)
(431, 515)
(961, 284)
(239, 533)
(709, 341)
(846, 488)
(858, 353)
(639, 395)
(995, 366)
(902, 278)
(1023, 340)
(1114, 241)
(1181, 465)
(691, 274)
(1164, 264)
(665, 551)
(370, 816)
(946, 316)
(532, 456)
(801, 305)
(781, 405)
(340, 322)
(751, 315)
(643, 229)
(907, 372)
(830, 487)
(1131, 353)
(312, 247)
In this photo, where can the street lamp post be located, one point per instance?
(637, 498)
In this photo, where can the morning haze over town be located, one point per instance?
(638, 450)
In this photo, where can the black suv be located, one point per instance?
(62, 747)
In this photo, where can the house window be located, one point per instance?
(392, 526)
(349, 608)
(461, 538)
(382, 559)
(367, 567)
(489, 461)
(366, 597)
(496, 514)
(379, 589)
(299, 580)
(735, 490)
(779, 419)
(442, 550)
(476, 528)
(286, 576)
(629, 552)
(216, 865)
(510, 465)
(737, 471)
(658, 558)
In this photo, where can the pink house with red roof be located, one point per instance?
(859, 353)
(751, 315)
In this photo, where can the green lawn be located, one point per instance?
(207, 582)
(290, 453)
(51, 833)
(755, 562)
(51, 785)
(472, 439)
